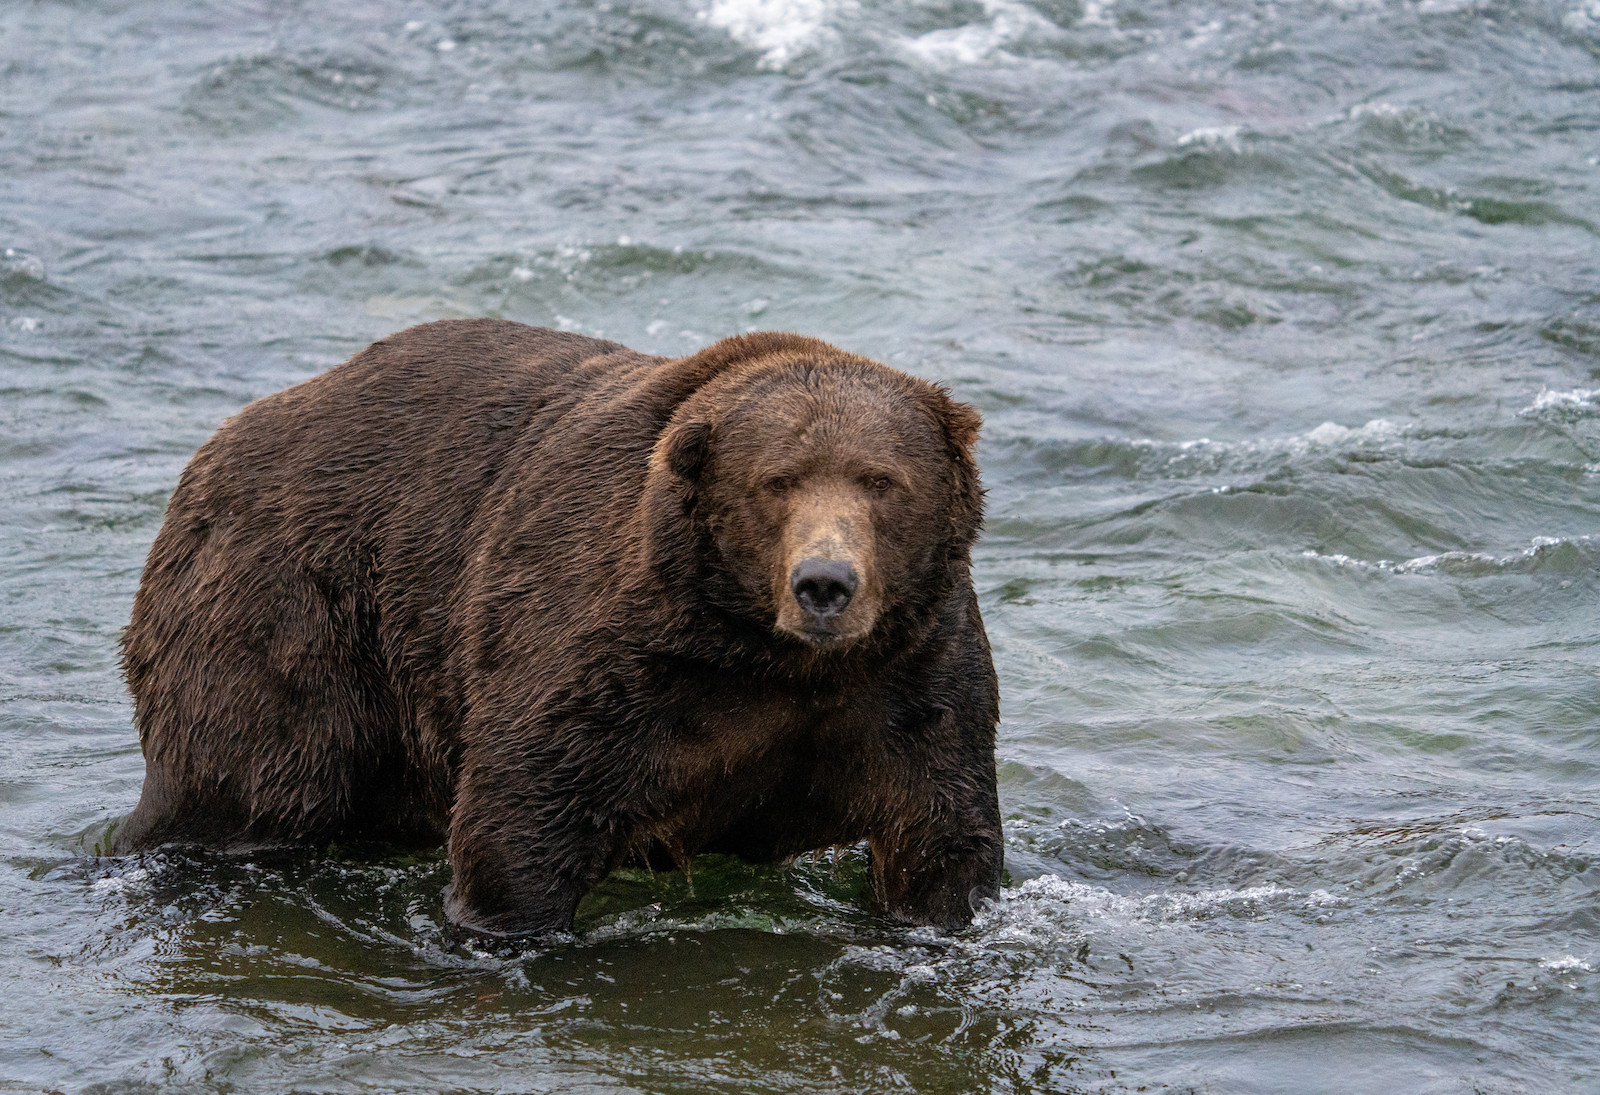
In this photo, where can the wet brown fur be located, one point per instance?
(528, 589)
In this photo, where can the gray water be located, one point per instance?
(1285, 320)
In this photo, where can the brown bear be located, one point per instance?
(576, 606)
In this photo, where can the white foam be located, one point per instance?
(1566, 963)
(1014, 914)
(1585, 16)
(1097, 13)
(1536, 547)
(14, 260)
(1416, 121)
(1431, 562)
(1374, 110)
(957, 45)
(1378, 431)
(1576, 398)
(125, 881)
(1331, 433)
(1213, 136)
(1204, 456)
(780, 29)
(975, 43)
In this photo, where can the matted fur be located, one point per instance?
(518, 587)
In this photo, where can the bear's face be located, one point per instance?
(831, 490)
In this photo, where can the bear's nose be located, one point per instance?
(823, 586)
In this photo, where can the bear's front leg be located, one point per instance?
(937, 848)
(536, 826)
(936, 868)
(514, 880)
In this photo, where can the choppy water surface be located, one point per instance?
(1285, 318)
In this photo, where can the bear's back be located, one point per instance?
(402, 437)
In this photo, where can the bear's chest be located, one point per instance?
(785, 734)
(765, 776)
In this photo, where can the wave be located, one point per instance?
(1543, 553)
(1149, 458)
(251, 93)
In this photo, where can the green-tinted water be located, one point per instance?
(1285, 318)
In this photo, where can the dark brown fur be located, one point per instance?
(526, 588)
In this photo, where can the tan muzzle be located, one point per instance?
(826, 588)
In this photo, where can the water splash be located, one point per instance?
(781, 29)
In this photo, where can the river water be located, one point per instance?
(1285, 320)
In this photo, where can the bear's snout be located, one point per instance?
(823, 587)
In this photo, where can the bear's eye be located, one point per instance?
(778, 484)
(879, 483)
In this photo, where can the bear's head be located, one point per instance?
(830, 490)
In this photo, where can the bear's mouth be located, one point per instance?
(822, 638)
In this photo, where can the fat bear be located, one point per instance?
(571, 606)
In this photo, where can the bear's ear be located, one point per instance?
(961, 424)
(685, 448)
